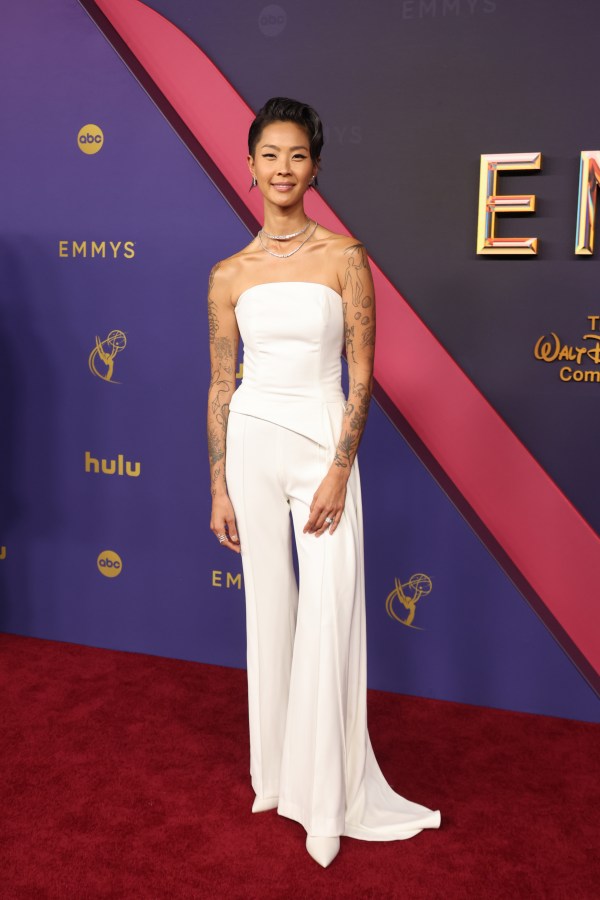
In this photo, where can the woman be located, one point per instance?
(285, 442)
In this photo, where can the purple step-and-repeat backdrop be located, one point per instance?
(108, 229)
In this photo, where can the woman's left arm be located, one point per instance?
(358, 301)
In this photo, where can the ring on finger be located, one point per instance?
(222, 537)
(328, 520)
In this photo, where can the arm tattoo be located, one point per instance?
(362, 314)
(222, 385)
(359, 326)
(343, 454)
(353, 425)
(213, 322)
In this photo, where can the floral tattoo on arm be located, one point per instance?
(358, 303)
(221, 387)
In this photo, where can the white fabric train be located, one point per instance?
(310, 748)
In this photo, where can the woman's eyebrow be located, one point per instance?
(275, 147)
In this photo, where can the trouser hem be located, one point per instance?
(323, 827)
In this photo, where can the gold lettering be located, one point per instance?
(549, 349)
(91, 462)
(490, 202)
(97, 249)
(589, 178)
(118, 466)
(587, 375)
(565, 353)
(231, 579)
(593, 352)
(545, 351)
(235, 580)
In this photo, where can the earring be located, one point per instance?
(313, 182)
(254, 183)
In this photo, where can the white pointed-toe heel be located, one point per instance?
(262, 803)
(322, 849)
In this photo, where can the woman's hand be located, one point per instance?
(222, 522)
(328, 502)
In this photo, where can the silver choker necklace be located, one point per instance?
(284, 255)
(285, 237)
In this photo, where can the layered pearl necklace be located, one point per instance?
(286, 237)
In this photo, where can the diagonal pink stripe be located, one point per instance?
(547, 539)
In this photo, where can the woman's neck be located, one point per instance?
(284, 221)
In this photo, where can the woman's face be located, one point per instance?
(282, 165)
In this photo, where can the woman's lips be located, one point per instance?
(283, 187)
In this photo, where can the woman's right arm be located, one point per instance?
(223, 347)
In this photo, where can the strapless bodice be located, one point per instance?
(293, 335)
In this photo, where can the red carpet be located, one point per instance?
(126, 776)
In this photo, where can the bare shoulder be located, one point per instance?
(218, 279)
(352, 248)
(351, 258)
(343, 245)
(226, 272)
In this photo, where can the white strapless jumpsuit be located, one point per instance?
(306, 647)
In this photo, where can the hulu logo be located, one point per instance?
(118, 466)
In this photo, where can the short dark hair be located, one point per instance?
(282, 109)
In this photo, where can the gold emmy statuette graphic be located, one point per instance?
(109, 563)
(2, 552)
(101, 359)
(420, 586)
(90, 139)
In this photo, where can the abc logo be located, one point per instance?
(110, 564)
(272, 20)
(90, 139)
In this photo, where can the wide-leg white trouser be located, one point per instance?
(306, 645)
